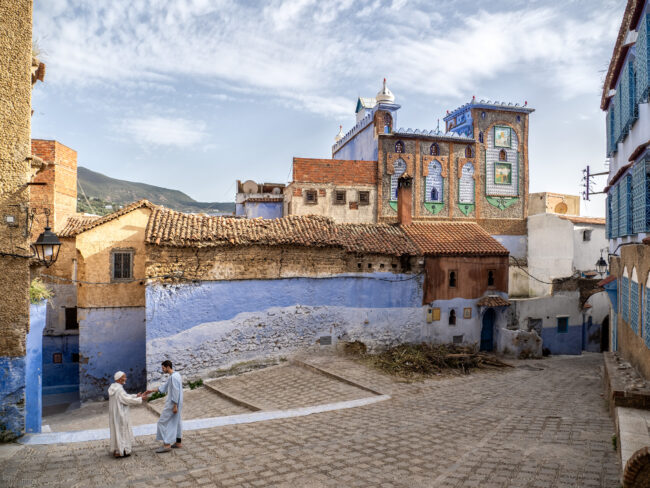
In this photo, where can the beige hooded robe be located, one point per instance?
(118, 418)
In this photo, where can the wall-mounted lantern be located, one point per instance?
(601, 265)
(47, 245)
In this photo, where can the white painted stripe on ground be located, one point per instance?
(195, 424)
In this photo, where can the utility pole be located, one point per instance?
(587, 182)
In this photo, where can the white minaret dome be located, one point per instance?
(385, 95)
(339, 136)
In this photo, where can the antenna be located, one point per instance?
(588, 182)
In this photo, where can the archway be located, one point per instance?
(487, 330)
(604, 335)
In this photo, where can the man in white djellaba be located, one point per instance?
(170, 425)
(118, 416)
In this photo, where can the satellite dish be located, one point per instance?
(276, 191)
(250, 186)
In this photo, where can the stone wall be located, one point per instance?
(15, 113)
(352, 210)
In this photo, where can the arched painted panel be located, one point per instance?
(399, 167)
(466, 186)
(434, 183)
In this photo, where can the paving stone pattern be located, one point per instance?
(516, 428)
(287, 386)
(201, 403)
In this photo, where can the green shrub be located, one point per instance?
(195, 384)
(38, 291)
(156, 395)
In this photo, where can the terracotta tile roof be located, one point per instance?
(576, 219)
(493, 301)
(75, 223)
(171, 228)
(453, 239)
(264, 200)
(70, 229)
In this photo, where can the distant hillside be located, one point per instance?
(103, 191)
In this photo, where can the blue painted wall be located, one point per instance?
(270, 210)
(12, 397)
(62, 377)
(173, 309)
(110, 340)
(363, 146)
(34, 368)
(563, 343)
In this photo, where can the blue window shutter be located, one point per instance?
(634, 306)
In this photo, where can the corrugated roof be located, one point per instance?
(454, 239)
(72, 228)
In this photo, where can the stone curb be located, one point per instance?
(232, 399)
(324, 372)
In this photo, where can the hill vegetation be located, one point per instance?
(101, 194)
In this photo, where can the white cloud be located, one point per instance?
(164, 131)
(311, 53)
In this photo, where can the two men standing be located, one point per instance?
(170, 425)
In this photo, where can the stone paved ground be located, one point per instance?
(287, 386)
(94, 415)
(523, 427)
(201, 403)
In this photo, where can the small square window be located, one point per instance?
(75, 357)
(57, 358)
(71, 318)
(311, 197)
(586, 235)
(121, 265)
(562, 325)
(339, 197)
(364, 198)
(458, 339)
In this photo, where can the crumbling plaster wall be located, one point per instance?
(15, 113)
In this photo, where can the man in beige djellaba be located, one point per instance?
(119, 420)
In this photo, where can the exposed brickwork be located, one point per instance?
(340, 172)
(59, 193)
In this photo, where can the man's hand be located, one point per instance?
(175, 409)
(139, 395)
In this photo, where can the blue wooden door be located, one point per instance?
(487, 331)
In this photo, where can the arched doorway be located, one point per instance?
(604, 335)
(487, 330)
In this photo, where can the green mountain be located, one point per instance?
(101, 194)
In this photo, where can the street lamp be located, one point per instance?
(601, 265)
(46, 248)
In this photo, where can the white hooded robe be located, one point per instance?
(118, 418)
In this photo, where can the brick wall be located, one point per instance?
(341, 172)
(59, 194)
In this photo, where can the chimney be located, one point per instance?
(404, 199)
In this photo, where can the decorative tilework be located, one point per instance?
(434, 183)
(492, 157)
(634, 306)
(466, 185)
(399, 168)
(625, 299)
(646, 319)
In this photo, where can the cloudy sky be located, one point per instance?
(194, 94)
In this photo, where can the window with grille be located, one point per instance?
(311, 197)
(364, 198)
(339, 197)
(625, 299)
(122, 265)
(634, 306)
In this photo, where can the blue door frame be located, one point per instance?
(487, 330)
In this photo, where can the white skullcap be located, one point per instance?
(118, 375)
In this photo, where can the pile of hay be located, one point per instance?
(426, 359)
